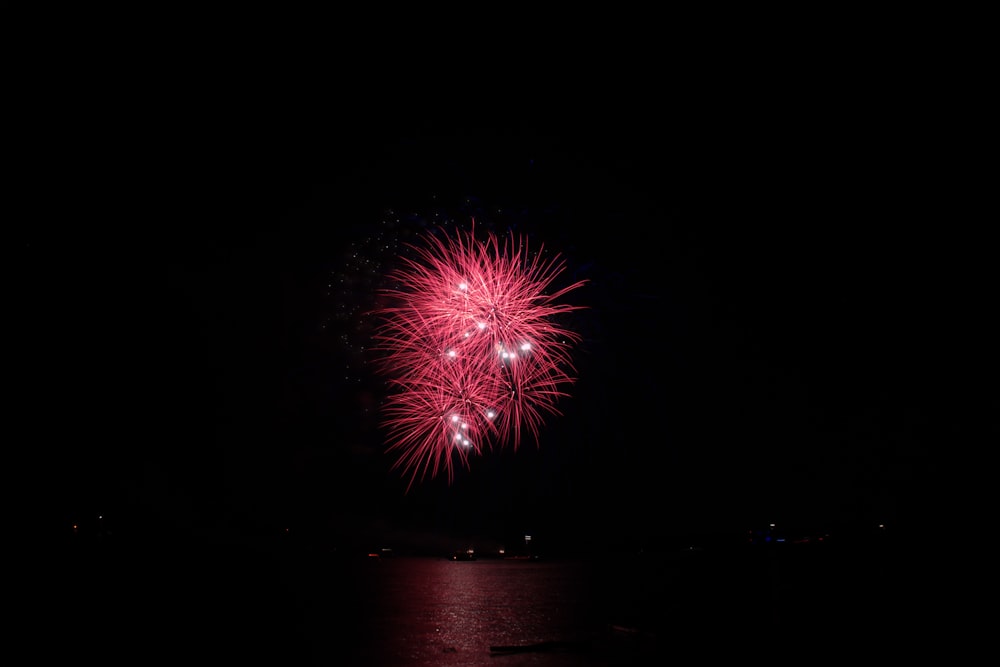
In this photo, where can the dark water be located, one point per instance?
(427, 611)
(145, 605)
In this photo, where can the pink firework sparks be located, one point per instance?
(471, 347)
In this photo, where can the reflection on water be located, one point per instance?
(306, 607)
(731, 604)
(442, 612)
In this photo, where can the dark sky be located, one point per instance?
(769, 334)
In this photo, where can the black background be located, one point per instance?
(772, 331)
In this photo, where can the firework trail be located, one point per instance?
(469, 342)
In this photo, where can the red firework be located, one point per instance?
(471, 347)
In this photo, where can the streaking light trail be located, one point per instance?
(469, 341)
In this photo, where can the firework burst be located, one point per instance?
(469, 341)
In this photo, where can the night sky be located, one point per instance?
(769, 335)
